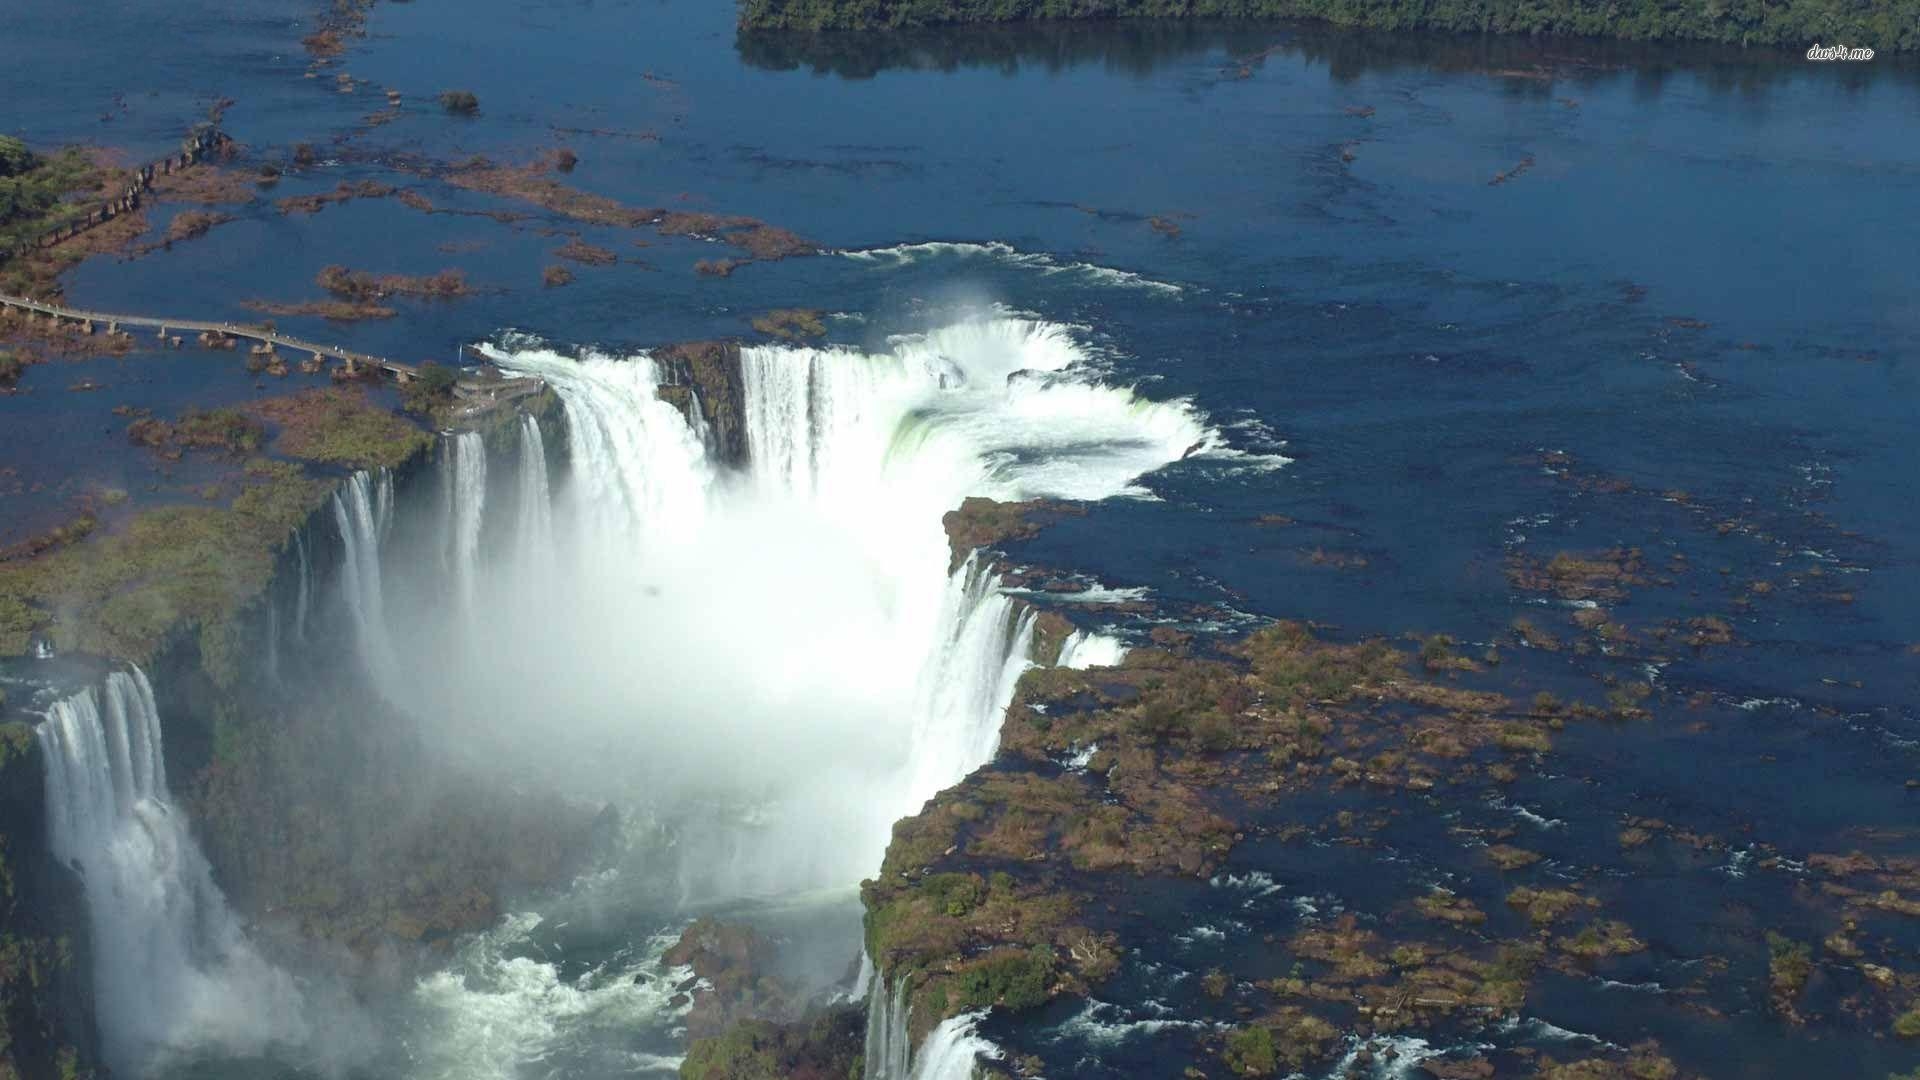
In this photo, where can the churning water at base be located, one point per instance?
(505, 1001)
(173, 972)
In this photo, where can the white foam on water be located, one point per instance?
(1104, 1024)
(1255, 883)
(1090, 649)
(899, 255)
(1537, 1030)
(497, 1008)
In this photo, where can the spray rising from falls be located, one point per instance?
(173, 971)
(770, 661)
(788, 645)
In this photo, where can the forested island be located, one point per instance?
(1883, 25)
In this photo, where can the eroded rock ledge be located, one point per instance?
(709, 372)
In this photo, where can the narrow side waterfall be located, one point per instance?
(697, 420)
(172, 969)
(1090, 649)
(952, 1050)
(303, 588)
(888, 1048)
(533, 525)
(967, 684)
(463, 470)
(362, 509)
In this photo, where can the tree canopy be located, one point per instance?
(1883, 25)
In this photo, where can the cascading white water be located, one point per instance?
(638, 469)
(533, 527)
(362, 508)
(966, 685)
(697, 420)
(953, 1049)
(463, 470)
(173, 971)
(776, 662)
(888, 1049)
(303, 588)
(1089, 649)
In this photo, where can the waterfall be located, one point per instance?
(172, 968)
(273, 640)
(887, 1045)
(533, 532)
(775, 661)
(952, 1050)
(967, 683)
(463, 468)
(1088, 649)
(863, 979)
(697, 420)
(798, 614)
(362, 510)
(637, 469)
(303, 587)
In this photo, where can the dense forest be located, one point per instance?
(1882, 25)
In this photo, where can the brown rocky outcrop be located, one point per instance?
(710, 372)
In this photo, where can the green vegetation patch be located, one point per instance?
(219, 429)
(341, 426)
(1881, 24)
(37, 193)
(828, 1045)
(1290, 1038)
(790, 324)
(1290, 663)
(430, 391)
(122, 593)
(969, 942)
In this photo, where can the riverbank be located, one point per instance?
(1884, 25)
